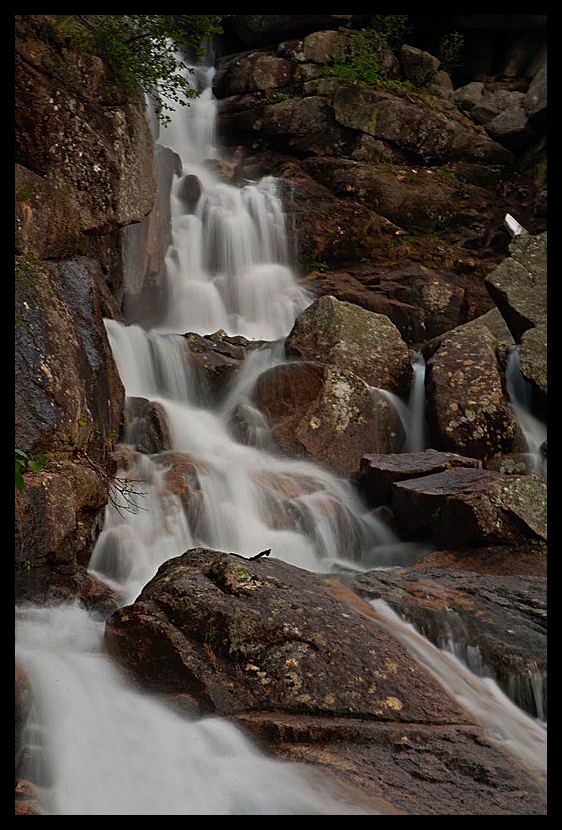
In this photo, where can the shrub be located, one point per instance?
(144, 51)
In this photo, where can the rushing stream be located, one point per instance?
(99, 746)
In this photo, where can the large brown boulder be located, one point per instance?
(226, 631)
(351, 338)
(307, 666)
(466, 403)
(326, 413)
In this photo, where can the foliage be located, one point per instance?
(393, 28)
(24, 462)
(450, 51)
(144, 51)
(363, 57)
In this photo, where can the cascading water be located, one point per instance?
(524, 737)
(99, 746)
(533, 430)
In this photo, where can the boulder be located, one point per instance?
(495, 624)
(466, 404)
(326, 413)
(378, 472)
(144, 245)
(226, 630)
(463, 508)
(351, 338)
(518, 285)
(418, 66)
(306, 666)
(251, 72)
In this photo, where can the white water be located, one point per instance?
(103, 748)
(99, 747)
(534, 431)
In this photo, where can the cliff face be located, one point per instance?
(84, 169)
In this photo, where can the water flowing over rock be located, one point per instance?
(496, 624)
(228, 330)
(320, 679)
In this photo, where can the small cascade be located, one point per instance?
(504, 722)
(533, 430)
(412, 413)
(416, 427)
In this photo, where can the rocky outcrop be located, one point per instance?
(69, 405)
(96, 151)
(518, 285)
(452, 500)
(317, 679)
(84, 169)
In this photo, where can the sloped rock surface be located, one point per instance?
(496, 624)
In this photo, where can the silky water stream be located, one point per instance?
(98, 746)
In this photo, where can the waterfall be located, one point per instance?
(97, 745)
(533, 430)
(412, 413)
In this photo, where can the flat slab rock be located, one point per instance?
(379, 471)
(304, 664)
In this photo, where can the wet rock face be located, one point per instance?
(239, 635)
(495, 623)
